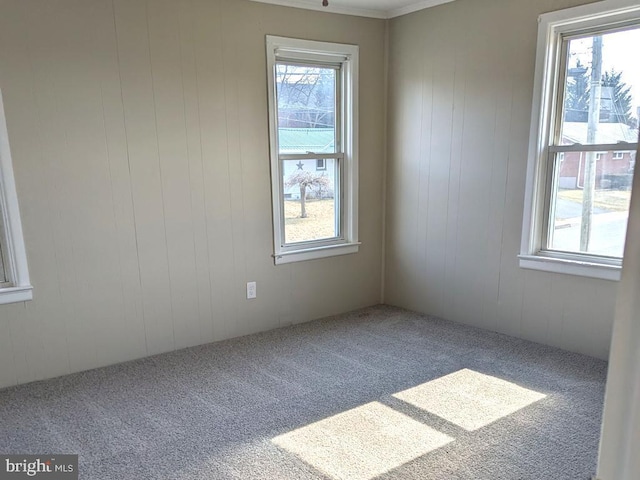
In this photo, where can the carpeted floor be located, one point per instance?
(377, 393)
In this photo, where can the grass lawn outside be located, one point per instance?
(319, 224)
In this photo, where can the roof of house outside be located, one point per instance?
(607, 133)
(303, 140)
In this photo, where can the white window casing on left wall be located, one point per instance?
(15, 285)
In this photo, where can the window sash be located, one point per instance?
(338, 105)
(305, 57)
(338, 198)
(554, 162)
(337, 155)
(560, 73)
(596, 147)
(309, 156)
(555, 148)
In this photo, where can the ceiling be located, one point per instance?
(362, 8)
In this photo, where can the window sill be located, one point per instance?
(571, 267)
(15, 294)
(316, 252)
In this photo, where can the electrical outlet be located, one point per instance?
(251, 290)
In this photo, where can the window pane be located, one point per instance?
(598, 226)
(602, 89)
(310, 200)
(306, 108)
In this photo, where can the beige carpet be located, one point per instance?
(379, 393)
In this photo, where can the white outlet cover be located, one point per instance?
(251, 290)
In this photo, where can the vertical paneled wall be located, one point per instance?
(461, 80)
(140, 146)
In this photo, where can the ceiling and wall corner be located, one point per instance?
(362, 8)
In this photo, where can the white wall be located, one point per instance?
(461, 80)
(140, 147)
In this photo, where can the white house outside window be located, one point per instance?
(585, 119)
(313, 140)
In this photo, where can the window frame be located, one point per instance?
(4, 267)
(18, 287)
(553, 29)
(322, 54)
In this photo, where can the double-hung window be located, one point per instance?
(313, 112)
(584, 121)
(14, 275)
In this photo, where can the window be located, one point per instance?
(585, 109)
(14, 275)
(313, 115)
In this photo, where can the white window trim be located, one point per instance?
(318, 52)
(19, 287)
(551, 27)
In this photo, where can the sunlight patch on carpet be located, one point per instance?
(469, 399)
(362, 443)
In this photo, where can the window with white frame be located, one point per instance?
(313, 125)
(585, 116)
(14, 275)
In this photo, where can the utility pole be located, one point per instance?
(595, 94)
